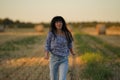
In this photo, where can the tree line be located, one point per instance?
(18, 24)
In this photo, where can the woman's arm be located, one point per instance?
(70, 46)
(47, 45)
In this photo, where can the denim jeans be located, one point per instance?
(58, 67)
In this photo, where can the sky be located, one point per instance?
(70, 10)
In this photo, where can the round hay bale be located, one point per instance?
(101, 29)
(39, 28)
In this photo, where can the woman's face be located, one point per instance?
(58, 25)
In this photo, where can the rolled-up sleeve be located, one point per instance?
(48, 42)
(70, 45)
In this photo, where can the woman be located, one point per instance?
(59, 44)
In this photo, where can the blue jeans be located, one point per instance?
(58, 67)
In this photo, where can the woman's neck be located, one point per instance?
(59, 31)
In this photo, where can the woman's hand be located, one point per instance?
(72, 52)
(46, 56)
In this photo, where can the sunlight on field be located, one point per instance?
(109, 31)
(35, 61)
(29, 61)
(23, 32)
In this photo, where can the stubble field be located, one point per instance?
(22, 56)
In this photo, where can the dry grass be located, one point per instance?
(14, 34)
(110, 39)
(109, 31)
(29, 64)
(112, 34)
